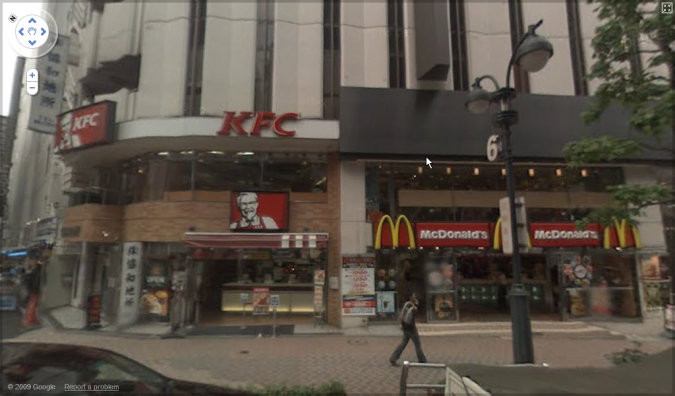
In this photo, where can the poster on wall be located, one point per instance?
(386, 302)
(131, 282)
(155, 302)
(156, 276)
(319, 277)
(358, 285)
(318, 299)
(252, 211)
(577, 270)
(261, 300)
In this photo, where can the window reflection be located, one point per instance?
(151, 177)
(385, 180)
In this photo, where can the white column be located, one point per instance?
(354, 230)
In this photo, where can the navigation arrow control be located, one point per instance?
(33, 32)
(429, 163)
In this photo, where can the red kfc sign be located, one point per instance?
(565, 234)
(84, 127)
(233, 121)
(452, 234)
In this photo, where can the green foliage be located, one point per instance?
(633, 60)
(333, 388)
(632, 28)
(639, 196)
(600, 149)
(626, 356)
(627, 204)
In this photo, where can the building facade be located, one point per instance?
(173, 110)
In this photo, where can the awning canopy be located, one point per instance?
(255, 240)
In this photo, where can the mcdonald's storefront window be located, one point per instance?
(458, 270)
(599, 284)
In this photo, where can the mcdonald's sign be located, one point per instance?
(497, 236)
(394, 238)
(621, 235)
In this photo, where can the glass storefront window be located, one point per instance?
(150, 177)
(441, 287)
(601, 284)
(491, 177)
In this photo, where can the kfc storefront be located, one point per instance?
(462, 274)
(183, 216)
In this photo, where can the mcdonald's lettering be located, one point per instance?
(564, 234)
(453, 234)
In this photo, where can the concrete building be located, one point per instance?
(334, 103)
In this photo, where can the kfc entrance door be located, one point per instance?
(238, 273)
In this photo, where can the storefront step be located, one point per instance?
(505, 328)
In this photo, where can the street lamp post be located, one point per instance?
(532, 53)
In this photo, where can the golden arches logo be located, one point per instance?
(394, 229)
(621, 234)
(497, 239)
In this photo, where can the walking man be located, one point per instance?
(407, 319)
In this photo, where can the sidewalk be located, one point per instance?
(361, 362)
(72, 318)
(650, 329)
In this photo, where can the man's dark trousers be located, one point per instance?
(409, 332)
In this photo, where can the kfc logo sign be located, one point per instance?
(85, 127)
(88, 120)
(261, 119)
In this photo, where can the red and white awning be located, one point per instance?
(255, 240)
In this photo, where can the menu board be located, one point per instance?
(358, 285)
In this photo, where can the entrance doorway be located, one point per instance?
(237, 286)
(485, 280)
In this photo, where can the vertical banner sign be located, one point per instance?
(131, 282)
(358, 285)
(45, 106)
(319, 282)
(505, 215)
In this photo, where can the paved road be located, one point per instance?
(358, 362)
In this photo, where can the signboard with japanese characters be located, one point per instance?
(358, 285)
(45, 106)
(130, 290)
(45, 231)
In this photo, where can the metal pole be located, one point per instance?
(274, 322)
(521, 331)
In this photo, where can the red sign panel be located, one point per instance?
(565, 234)
(452, 234)
(85, 127)
(259, 211)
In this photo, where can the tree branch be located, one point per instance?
(652, 203)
